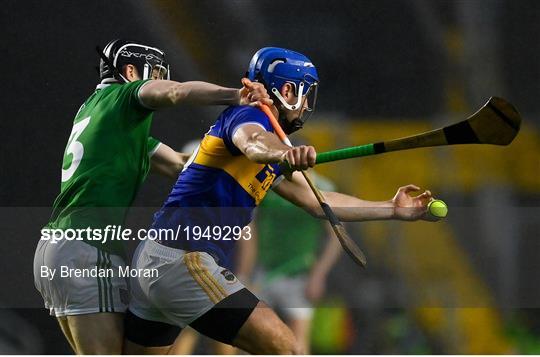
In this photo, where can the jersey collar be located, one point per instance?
(106, 82)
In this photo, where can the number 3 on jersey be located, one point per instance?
(74, 148)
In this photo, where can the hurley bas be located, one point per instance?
(95, 272)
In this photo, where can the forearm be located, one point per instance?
(403, 206)
(347, 208)
(163, 93)
(259, 146)
(168, 162)
(352, 209)
(265, 149)
(196, 92)
(171, 168)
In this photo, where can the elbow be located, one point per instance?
(253, 151)
(178, 165)
(177, 93)
(176, 170)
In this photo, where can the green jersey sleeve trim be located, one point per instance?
(153, 146)
(141, 102)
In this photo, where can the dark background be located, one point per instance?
(390, 60)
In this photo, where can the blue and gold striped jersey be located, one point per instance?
(218, 189)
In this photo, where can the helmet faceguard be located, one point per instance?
(274, 67)
(119, 53)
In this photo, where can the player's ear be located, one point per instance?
(287, 90)
(130, 72)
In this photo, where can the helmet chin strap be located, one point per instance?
(290, 127)
(298, 103)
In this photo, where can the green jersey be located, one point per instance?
(107, 158)
(288, 237)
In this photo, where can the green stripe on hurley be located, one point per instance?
(347, 153)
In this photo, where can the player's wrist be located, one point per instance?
(388, 209)
(401, 213)
(240, 97)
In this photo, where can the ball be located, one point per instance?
(437, 208)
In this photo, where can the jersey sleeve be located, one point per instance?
(132, 95)
(152, 146)
(248, 115)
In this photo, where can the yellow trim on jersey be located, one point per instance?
(189, 260)
(213, 153)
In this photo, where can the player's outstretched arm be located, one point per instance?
(163, 93)
(167, 162)
(403, 206)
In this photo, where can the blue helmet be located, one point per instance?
(274, 66)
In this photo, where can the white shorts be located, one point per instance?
(184, 287)
(286, 294)
(86, 279)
